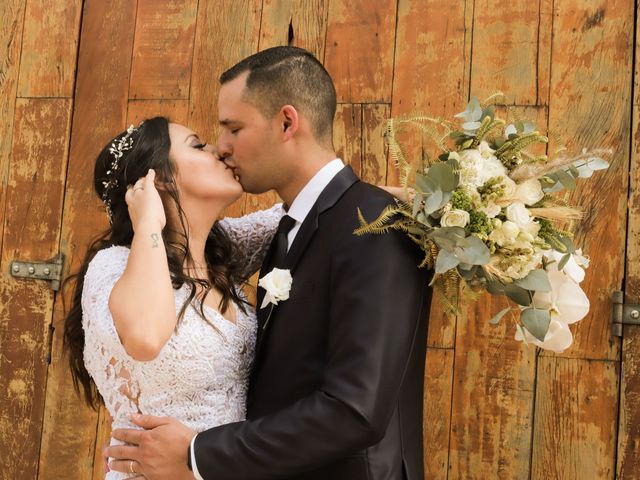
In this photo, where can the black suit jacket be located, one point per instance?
(336, 388)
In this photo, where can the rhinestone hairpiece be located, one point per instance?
(116, 149)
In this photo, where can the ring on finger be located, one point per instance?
(131, 470)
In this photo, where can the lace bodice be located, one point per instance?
(201, 374)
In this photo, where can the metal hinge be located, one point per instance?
(623, 313)
(50, 270)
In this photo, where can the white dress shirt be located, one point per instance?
(298, 210)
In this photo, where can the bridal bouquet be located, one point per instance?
(486, 218)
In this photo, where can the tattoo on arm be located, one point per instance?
(154, 237)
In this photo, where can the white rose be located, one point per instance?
(510, 230)
(529, 192)
(455, 218)
(518, 214)
(485, 150)
(498, 237)
(277, 284)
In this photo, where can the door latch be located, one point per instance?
(50, 270)
(623, 313)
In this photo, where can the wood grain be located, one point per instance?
(301, 23)
(177, 111)
(347, 135)
(34, 206)
(493, 395)
(69, 431)
(11, 29)
(163, 49)
(590, 107)
(359, 51)
(49, 48)
(575, 421)
(438, 385)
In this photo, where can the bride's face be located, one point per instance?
(200, 174)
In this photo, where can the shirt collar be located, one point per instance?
(309, 194)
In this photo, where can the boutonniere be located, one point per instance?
(277, 284)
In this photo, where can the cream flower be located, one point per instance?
(455, 218)
(277, 284)
(510, 230)
(529, 192)
(475, 169)
(566, 300)
(572, 268)
(518, 214)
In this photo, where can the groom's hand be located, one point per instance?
(158, 452)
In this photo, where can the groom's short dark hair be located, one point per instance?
(289, 76)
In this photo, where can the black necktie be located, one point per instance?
(281, 242)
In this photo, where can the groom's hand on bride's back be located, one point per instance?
(159, 452)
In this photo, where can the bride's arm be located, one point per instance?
(251, 236)
(142, 301)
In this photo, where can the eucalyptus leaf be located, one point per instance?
(447, 237)
(472, 250)
(471, 126)
(425, 184)
(563, 261)
(536, 321)
(574, 171)
(433, 202)
(495, 288)
(518, 294)
(597, 163)
(567, 242)
(443, 176)
(536, 280)
(567, 180)
(446, 261)
(498, 316)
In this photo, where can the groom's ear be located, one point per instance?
(290, 121)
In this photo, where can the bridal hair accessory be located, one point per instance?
(117, 149)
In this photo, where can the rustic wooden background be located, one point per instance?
(73, 73)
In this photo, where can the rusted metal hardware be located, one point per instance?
(50, 270)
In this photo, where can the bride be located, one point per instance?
(159, 323)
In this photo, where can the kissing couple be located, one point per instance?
(324, 378)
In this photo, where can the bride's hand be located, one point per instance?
(145, 204)
(400, 193)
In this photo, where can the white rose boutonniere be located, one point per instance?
(277, 284)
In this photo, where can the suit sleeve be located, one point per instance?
(377, 294)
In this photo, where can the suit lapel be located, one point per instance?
(327, 199)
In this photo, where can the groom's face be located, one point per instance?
(248, 142)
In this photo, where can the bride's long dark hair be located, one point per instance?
(151, 144)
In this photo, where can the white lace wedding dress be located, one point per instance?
(200, 376)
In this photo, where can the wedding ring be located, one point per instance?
(131, 467)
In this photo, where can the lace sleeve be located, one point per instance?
(252, 235)
(104, 355)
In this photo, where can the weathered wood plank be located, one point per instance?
(493, 393)
(505, 50)
(628, 465)
(49, 48)
(12, 13)
(438, 383)
(221, 41)
(176, 111)
(374, 150)
(359, 51)
(575, 419)
(431, 67)
(163, 48)
(347, 134)
(35, 192)
(590, 107)
(69, 432)
(302, 23)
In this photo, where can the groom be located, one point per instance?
(336, 387)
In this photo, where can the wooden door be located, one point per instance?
(74, 73)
